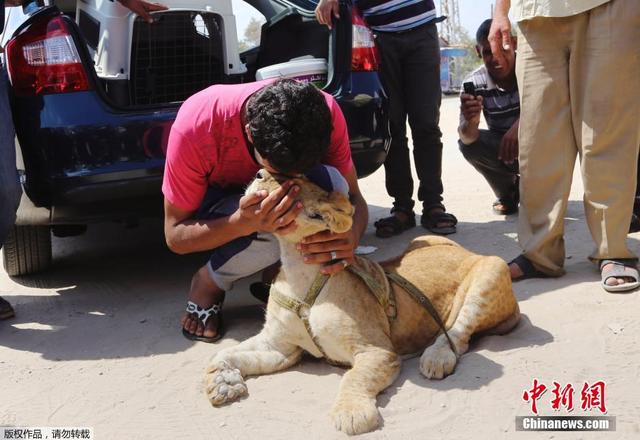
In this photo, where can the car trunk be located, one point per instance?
(185, 51)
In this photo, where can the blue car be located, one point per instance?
(94, 99)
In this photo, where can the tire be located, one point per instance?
(27, 250)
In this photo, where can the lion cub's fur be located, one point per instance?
(472, 294)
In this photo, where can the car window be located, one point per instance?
(249, 22)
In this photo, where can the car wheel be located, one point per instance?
(27, 250)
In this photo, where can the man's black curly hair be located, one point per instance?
(290, 124)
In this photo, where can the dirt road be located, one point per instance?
(97, 343)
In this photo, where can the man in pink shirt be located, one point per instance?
(220, 139)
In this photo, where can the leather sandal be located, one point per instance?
(432, 220)
(527, 268)
(389, 226)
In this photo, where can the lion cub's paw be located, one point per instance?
(355, 415)
(438, 361)
(224, 385)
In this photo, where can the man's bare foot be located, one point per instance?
(515, 271)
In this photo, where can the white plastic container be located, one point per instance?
(113, 52)
(313, 70)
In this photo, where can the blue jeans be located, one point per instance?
(10, 190)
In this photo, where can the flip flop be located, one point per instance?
(6, 311)
(622, 268)
(203, 315)
(527, 268)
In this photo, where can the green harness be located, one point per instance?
(383, 294)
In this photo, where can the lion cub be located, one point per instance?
(472, 293)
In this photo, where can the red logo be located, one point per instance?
(591, 396)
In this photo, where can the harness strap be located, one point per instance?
(388, 302)
(421, 299)
(302, 308)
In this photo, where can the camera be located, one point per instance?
(469, 88)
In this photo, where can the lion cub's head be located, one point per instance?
(321, 211)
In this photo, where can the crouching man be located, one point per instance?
(221, 137)
(493, 152)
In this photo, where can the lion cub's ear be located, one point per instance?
(336, 211)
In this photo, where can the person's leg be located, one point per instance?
(547, 148)
(483, 156)
(228, 263)
(10, 189)
(422, 95)
(606, 119)
(397, 165)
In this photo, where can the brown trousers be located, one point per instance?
(579, 80)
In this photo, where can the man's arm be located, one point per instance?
(317, 248)
(500, 32)
(470, 109)
(509, 144)
(256, 212)
(326, 10)
(142, 8)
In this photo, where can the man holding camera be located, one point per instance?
(492, 89)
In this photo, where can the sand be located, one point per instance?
(96, 341)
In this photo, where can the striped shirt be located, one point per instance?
(397, 15)
(501, 108)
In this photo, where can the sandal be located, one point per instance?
(389, 226)
(431, 218)
(505, 207)
(260, 290)
(6, 311)
(527, 268)
(622, 268)
(203, 316)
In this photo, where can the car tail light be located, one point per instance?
(43, 59)
(364, 54)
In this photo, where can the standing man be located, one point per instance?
(493, 152)
(407, 40)
(10, 189)
(577, 63)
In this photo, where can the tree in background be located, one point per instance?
(251, 34)
(468, 63)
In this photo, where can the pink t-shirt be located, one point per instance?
(207, 146)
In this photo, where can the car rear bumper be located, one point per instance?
(86, 162)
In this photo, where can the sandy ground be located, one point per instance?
(97, 342)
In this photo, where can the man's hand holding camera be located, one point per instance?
(471, 108)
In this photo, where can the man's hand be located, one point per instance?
(269, 213)
(500, 32)
(509, 144)
(317, 249)
(143, 8)
(326, 10)
(471, 107)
